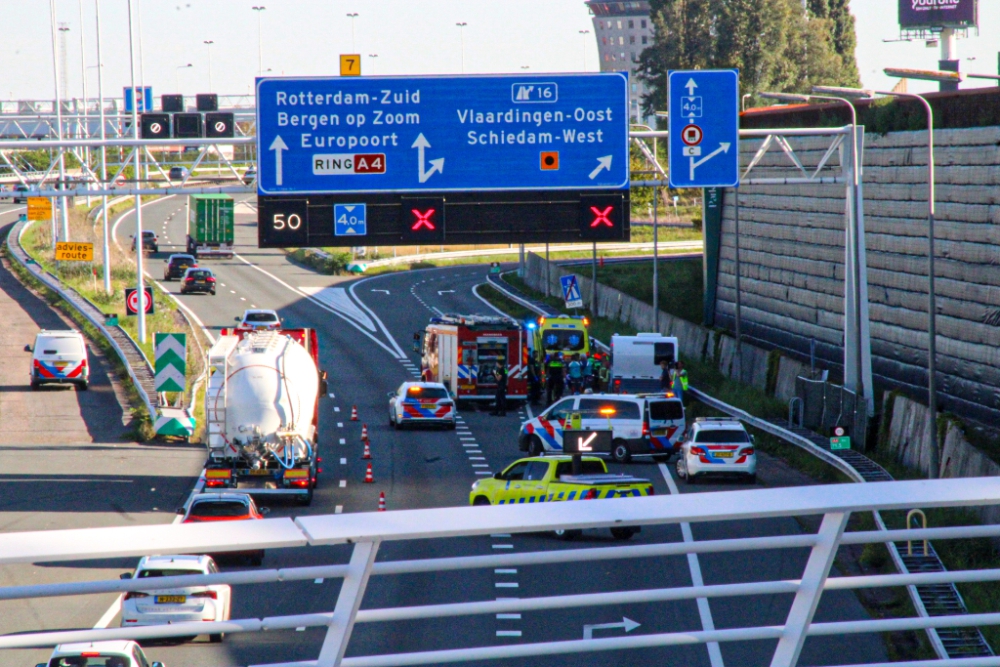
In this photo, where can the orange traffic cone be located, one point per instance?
(381, 501)
(368, 452)
(354, 413)
(364, 432)
(368, 475)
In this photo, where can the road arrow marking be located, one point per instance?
(690, 85)
(627, 624)
(381, 290)
(723, 148)
(277, 146)
(602, 164)
(437, 165)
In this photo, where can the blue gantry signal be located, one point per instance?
(350, 220)
(450, 133)
(704, 128)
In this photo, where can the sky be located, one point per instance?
(305, 37)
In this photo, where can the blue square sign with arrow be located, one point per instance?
(704, 128)
(349, 220)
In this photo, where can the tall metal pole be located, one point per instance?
(62, 203)
(104, 153)
(593, 282)
(461, 29)
(352, 16)
(736, 235)
(140, 283)
(548, 278)
(260, 43)
(84, 128)
(584, 33)
(208, 43)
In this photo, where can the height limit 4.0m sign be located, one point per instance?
(704, 128)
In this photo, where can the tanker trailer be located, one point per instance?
(261, 411)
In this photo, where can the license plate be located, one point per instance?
(660, 433)
(171, 599)
(262, 471)
(428, 405)
(201, 282)
(723, 455)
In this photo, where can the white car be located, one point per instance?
(59, 357)
(717, 446)
(258, 319)
(160, 606)
(421, 403)
(114, 653)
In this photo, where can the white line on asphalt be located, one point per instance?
(335, 409)
(499, 534)
(242, 298)
(480, 472)
(302, 629)
(474, 451)
(469, 444)
(317, 581)
(508, 633)
(505, 584)
(230, 291)
(503, 546)
(339, 509)
(343, 441)
(343, 462)
(509, 617)
(505, 570)
(480, 465)
(331, 395)
(343, 484)
(704, 611)
(471, 458)
(340, 424)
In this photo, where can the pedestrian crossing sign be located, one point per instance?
(571, 292)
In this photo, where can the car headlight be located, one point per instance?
(475, 485)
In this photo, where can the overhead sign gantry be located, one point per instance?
(462, 159)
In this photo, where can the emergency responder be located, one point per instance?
(591, 373)
(666, 375)
(553, 379)
(534, 379)
(603, 375)
(418, 339)
(500, 375)
(575, 374)
(680, 380)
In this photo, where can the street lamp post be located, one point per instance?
(352, 16)
(260, 47)
(461, 27)
(139, 278)
(208, 43)
(373, 56)
(63, 212)
(177, 75)
(104, 155)
(583, 34)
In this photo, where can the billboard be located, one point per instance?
(937, 13)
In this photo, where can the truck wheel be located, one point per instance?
(535, 447)
(623, 533)
(303, 500)
(216, 638)
(752, 479)
(481, 500)
(567, 535)
(34, 386)
(620, 452)
(83, 386)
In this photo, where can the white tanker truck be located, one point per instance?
(261, 409)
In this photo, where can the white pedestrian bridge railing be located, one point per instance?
(367, 531)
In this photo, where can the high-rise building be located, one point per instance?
(623, 30)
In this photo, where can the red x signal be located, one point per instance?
(601, 217)
(423, 220)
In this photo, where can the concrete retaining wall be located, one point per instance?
(792, 260)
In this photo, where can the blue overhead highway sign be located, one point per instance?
(704, 128)
(449, 133)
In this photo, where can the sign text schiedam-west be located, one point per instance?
(441, 134)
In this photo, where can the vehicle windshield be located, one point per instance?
(219, 508)
(58, 345)
(146, 574)
(90, 661)
(149, 234)
(426, 393)
(182, 260)
(203, 273)
(586, 468)
(260, 317)
(563, 339)
(722, 436)
(666, 411)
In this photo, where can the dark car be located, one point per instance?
(179, 173)
(150, 242)
(198, 280)
(21, 193)
(177, 265)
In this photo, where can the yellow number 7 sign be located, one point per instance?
(350, 64)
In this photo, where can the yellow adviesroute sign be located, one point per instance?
(68, 251)
(350, 64)
(39, 208)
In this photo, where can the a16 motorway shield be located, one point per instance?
(449, 133)
(704, 128)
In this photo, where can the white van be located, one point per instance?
(60, 357)
(635, 361)
(642, 425)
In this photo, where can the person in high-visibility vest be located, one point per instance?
(680, 380)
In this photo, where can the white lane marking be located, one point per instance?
(509, 617)
(474, 451)
(471, 458)
(338, 299)
(343, 462)
(480, 465)
(505, 584)
(503, 546)
(302, 629)
(317, 581)
(343, 441)
(505, 570)
(704, 611)
(335, 409)
(508, 633)
(469, 444)
(230, 291)
(242, 298)
(222, 284)
(397, 353)
(340, 424)
(339, 509)
(331, 395)
(343, 484)
(480, 472)
(499, 534)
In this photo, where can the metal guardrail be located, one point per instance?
(18, 253)
(367, 531)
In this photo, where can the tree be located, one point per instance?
(683, 39)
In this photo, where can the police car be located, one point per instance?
(717, 446)
(421, 403)
(642, 424)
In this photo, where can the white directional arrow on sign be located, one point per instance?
(584, 445)
(627, 624)
(437, 165)
(690, 85)
(277, 146)
(602, 164)
(723, 148)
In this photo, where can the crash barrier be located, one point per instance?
(826, 405)
(368, 531)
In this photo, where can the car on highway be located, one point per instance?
(416, 403)
(249, 176)
(59, 357)
(225, 506)
(258, 319)
(177, 264)
(21, 192)
(198, 280)
(717, 446)
(643, 425)
(179, 173)
(111, 653)
(540, 479)
(176, 604)
(150, 241)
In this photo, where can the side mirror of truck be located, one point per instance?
(125, 575)
(498, 475)
(264, 510)
(180, 510)
(237, 318)
(27, 348)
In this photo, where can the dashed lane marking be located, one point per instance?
(340, 424)
(508, 633)
(335, 409)
(339, 509)
(499, 534)
(509, 617)
(343, 484)
(343, 462)
(505, 570)
(505, 584)
(343, 441)
(503, 546)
